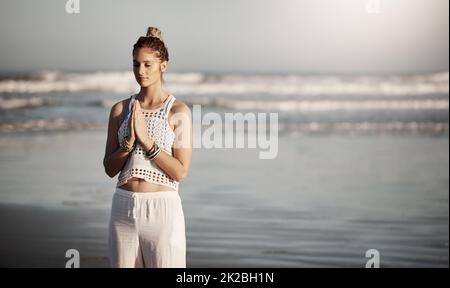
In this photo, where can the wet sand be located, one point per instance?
(40, 237)
(322, 202)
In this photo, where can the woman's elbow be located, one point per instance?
(181, 175)
(110, 173)
(108, 170)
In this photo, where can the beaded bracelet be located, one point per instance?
(153, 152)
(156, 154)
(126, 147)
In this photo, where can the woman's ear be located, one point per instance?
(163, 66)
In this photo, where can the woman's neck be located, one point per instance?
(151, 96)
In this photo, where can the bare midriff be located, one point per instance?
(140, 185)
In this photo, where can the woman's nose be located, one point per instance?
(141, 70)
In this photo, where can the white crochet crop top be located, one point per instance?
(138, 165)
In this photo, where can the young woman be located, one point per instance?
(150, 143)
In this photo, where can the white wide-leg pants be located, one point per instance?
(147, 229)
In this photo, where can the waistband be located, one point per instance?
(146, 195)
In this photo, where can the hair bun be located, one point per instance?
(154, 32)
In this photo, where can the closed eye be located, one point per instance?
(137, 65)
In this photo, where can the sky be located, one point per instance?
(308, 36)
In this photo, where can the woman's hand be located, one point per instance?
(140, 127)
(131, 133)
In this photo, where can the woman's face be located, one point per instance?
(147, 67)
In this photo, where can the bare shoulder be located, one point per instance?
(180, 107)
(118, 108)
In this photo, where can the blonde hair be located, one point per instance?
(154, 32)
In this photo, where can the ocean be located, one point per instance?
(305, 103)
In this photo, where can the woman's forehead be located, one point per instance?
(145, 55)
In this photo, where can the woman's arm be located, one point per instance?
(115, 158)
(177, 166)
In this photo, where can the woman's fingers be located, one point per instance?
(131, 119)
(134, 110)
(133, 115)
